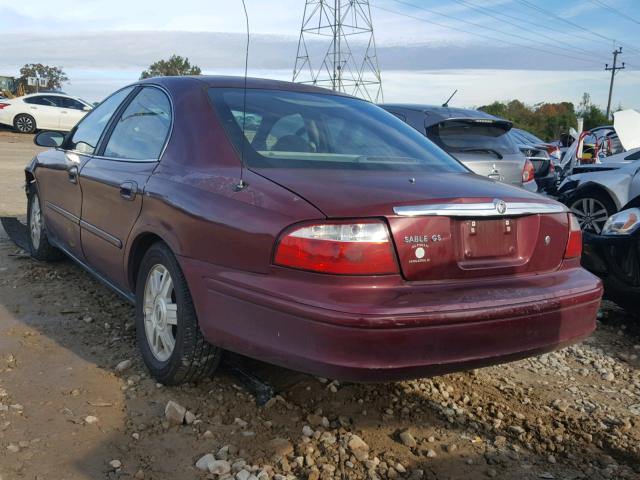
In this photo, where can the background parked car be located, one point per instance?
(477, 139)
(599, 190)
(43, 111)
(525, 137)
(615, 257)
(537, 154)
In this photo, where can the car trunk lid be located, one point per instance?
(443, 226)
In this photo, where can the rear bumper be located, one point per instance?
(384, 342)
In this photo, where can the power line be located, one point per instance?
(600, 3)
(532, 6)
(488, 37)
(477, 25)
(546, 27)
(497, 16)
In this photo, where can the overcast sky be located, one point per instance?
(487, 49)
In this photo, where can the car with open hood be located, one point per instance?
(305, 228)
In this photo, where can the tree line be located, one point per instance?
(549, 120)
(546, 120)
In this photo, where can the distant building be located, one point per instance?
(7, 84)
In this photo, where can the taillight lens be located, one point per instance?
(3, 105)
(528, 172)
(574, 244)
(354, 248)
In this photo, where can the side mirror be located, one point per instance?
(87, 108)
(49, 139)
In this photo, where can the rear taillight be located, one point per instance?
(528, 172)
(353, 248)
(574, 243)
(4, 105)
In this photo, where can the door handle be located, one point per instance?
(73, 174)
(128, 190)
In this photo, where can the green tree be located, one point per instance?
(593, 116)
(55, 77)
(175, 66)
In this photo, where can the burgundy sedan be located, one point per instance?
(305, 228)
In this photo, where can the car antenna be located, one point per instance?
(446, 104)
(242, 184)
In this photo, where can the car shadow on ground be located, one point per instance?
(80, 315)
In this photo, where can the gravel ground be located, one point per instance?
(76, 403)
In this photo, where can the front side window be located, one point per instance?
(311, 130)
(72, 103)
(472, 136)
(87, 135)
(142, 128)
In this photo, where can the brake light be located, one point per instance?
(361, 248)
(3, 105)
(528, 172)
(574, 243)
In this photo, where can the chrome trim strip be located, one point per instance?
(101, 234)
(68, 215)
(485, 209)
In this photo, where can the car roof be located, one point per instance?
(436, 114)
(224, 81)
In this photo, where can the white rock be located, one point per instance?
(174, 413)
(90, 419)
(115, 464)
(124, 365)
(359, 448)
(307, 431)
(205, 461)
(219, 467)
(243, 475)
(189, 417)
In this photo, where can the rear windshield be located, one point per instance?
(284, 129)
(472, 136)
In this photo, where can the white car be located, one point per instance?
(43, 111)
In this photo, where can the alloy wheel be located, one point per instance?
(24, 124)
(35, 222)
(160, 313)
(591, 214)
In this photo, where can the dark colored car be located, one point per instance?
(305, 228)
(543, 165)
(477, 139)
(614, 255)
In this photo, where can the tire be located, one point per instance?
(592, 208)
(24, 123)
(185, 356)
(39, 246)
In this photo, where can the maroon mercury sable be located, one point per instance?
(305, 228)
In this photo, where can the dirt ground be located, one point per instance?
(67, 412)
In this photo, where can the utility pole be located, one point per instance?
(614, 69)
(325, 56)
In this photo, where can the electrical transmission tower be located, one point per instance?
(337, 48)
(614, 69)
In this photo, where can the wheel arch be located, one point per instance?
(139, 246)
(591, 187)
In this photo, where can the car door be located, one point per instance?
(58, 170)
(44, 110)
(72, 111)
(113, 182)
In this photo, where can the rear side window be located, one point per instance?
(288, 129)
(87, 135)
(464, 135)
(41, 100)
(142, 128)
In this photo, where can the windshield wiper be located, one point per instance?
(485, 150)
